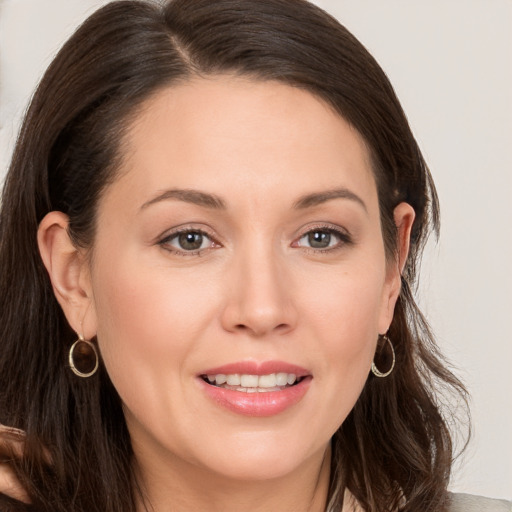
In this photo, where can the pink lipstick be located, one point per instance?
(256, 389)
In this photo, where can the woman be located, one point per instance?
(213, 218)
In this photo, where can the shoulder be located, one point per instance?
(471, 503)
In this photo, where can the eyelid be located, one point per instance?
(163, 240)
(345, 238)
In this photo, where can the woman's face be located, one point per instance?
(241, 243)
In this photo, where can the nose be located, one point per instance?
(259, 297)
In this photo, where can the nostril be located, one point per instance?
(261, 330)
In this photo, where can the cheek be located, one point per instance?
(344, 321)
(149, 320)
(347, 305)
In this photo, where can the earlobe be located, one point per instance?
(67, 268)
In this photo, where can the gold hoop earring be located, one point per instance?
(375, 370)
(84, 350)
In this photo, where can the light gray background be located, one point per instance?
(451, 64)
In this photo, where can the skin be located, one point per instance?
(255, 291)
(13, 440)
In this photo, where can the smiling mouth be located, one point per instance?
(253, 383)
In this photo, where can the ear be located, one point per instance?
(404, 217)
(68, 269)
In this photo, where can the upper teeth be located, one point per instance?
(254, 381)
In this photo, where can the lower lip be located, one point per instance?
(260, 404)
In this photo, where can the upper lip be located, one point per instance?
(257, 368)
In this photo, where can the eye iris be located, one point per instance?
(319, 239)
(190, 241)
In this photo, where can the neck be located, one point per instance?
(185, 487)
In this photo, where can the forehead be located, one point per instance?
(226, 134)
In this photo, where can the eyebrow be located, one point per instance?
(317, 198)
(214, 202)
(189, 196)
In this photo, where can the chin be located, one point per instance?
(263, 459)
(257, 471)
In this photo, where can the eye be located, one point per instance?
(318, 239)
(190, 241)
(323, 239)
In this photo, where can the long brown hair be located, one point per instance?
(394, 451)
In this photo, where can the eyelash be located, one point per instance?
(343, 237)
(187, 230)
